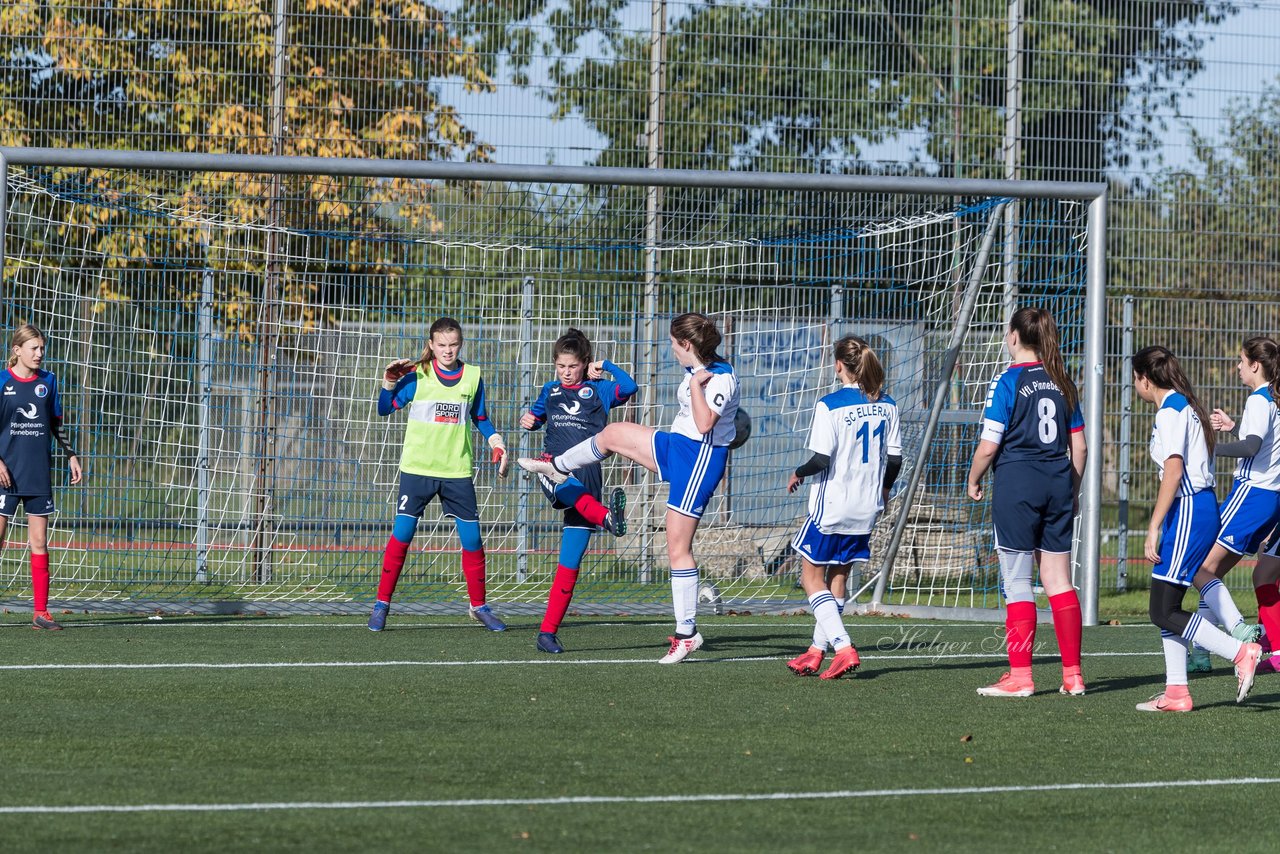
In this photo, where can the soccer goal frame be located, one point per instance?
(1092, 195)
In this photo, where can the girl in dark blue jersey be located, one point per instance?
(31, 414)
(573, 407)
(1033, 434)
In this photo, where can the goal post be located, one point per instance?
(233, 453)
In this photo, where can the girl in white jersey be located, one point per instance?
(857, 454)
(691, 457)
(1252, 509)
(1184, 524)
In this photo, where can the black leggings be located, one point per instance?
(1166, 606)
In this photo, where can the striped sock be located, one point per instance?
(1216, 595)
(684, 600)
(820, 636)
(823, 605)
(1212, 638)
(582, 454)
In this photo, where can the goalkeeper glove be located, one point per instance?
(396, 370)
(500, 455)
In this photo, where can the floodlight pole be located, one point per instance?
(4, 212)
(652, 235)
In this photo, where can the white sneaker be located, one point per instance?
(543, 468)
(680, 648)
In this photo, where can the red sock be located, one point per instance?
(1067, 626)
(1269, 611)
(558, 599)
(392, 562)
(40, 580)
(1020, 632)
(473, 572)
(591, 509)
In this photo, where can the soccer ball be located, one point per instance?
(709, 598)
(742, 429)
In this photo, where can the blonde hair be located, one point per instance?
(24, 333)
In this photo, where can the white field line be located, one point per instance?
(636, 799)
(518, 662)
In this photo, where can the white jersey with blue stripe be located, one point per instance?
(1178, 433)
(859, 435)
(1261, 418)
(722, 396)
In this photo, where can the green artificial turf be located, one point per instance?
(466, 715)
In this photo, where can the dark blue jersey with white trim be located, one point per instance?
(30, 412)
(1026, 415)
(573, 413)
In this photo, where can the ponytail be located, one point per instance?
(862, 364)
(1036, 329)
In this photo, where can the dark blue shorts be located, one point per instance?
(37, 505)
(1031, 506)
(1248, 516)
(592, 479)
(1186, 537)
(457, 496)
(830, 549)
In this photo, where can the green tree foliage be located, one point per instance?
(197, 76)
(1212, 226)
(793, 86)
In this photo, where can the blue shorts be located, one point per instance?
(1186, 538)
(1248, 515)
(1031, 506)
(692, 468)
(457, 496)
(830, 549)
(37, 505)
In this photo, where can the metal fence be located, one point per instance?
(1206, 336)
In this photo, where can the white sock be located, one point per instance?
(684, 600)
(1218, 598)
(582, 454)
(1212, 638)
(820, 635)
(1206, 614)
(823, 605)
(1175, 658)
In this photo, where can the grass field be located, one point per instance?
(313, 734)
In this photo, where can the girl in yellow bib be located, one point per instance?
(445, 397)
